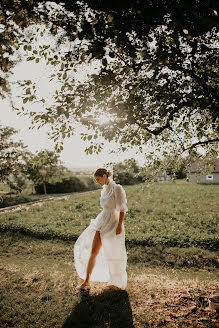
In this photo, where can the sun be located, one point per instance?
(104, 118)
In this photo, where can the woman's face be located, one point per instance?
(101, 180)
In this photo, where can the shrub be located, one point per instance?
(129, 172)
(125, 178)
(72, 184)
(91, 185)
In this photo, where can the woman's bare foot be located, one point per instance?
(83, 286)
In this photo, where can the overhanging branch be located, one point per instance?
(202, 143)
(158, 131)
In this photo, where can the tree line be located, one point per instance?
(44, 169)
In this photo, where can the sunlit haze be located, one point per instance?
(73, 155)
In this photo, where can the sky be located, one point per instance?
(73, 155)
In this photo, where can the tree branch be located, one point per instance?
(202, 143)
(164, 127)
(159, 130)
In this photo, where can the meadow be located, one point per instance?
(172, 244)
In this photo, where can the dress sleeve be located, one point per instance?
(121, 201)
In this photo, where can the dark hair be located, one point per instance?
(100, 173)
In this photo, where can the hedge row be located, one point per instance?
(72, 184)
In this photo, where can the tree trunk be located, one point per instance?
(44, 187)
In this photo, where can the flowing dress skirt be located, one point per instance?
(111, 261)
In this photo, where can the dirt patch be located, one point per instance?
(172, 303)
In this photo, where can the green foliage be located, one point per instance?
(174, 166)
(72, 184)
(128, 172)
(91, 184)
(43, 167)
(17, 182)
(12, 153)
(125, 178)
(15, 199)
(156, 75)
(129, 164)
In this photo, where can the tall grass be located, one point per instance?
(165, 215)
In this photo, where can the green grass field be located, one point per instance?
(172, 245)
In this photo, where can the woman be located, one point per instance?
(99, 252)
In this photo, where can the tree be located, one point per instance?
(176, 168)
(156, 75)
(11, 153)
(130, 165)
(43, 167)
(128, 172)
(17, 182)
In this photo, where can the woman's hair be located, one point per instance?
(100, 173)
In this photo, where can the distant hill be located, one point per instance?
(83, 170)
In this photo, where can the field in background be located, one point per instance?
(165, 215)
(171, 238)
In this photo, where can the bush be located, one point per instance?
(72, 184)
(125, 178)
(91, 185)
(14, 200)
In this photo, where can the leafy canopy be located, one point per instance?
(11, 153)
(42, 167)
(155, 70)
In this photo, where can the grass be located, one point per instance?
(26, 196)
(38, 282)
(162, 215)
(171, 241)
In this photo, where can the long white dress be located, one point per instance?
(111, 261)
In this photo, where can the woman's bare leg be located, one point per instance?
(96, 245)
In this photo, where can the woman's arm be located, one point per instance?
(119, 227)
(121, 206)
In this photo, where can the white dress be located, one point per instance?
(111, 261)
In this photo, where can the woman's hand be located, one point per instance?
(118, 229)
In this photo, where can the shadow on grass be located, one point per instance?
(108, 309)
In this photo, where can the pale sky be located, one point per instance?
(73, 154)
